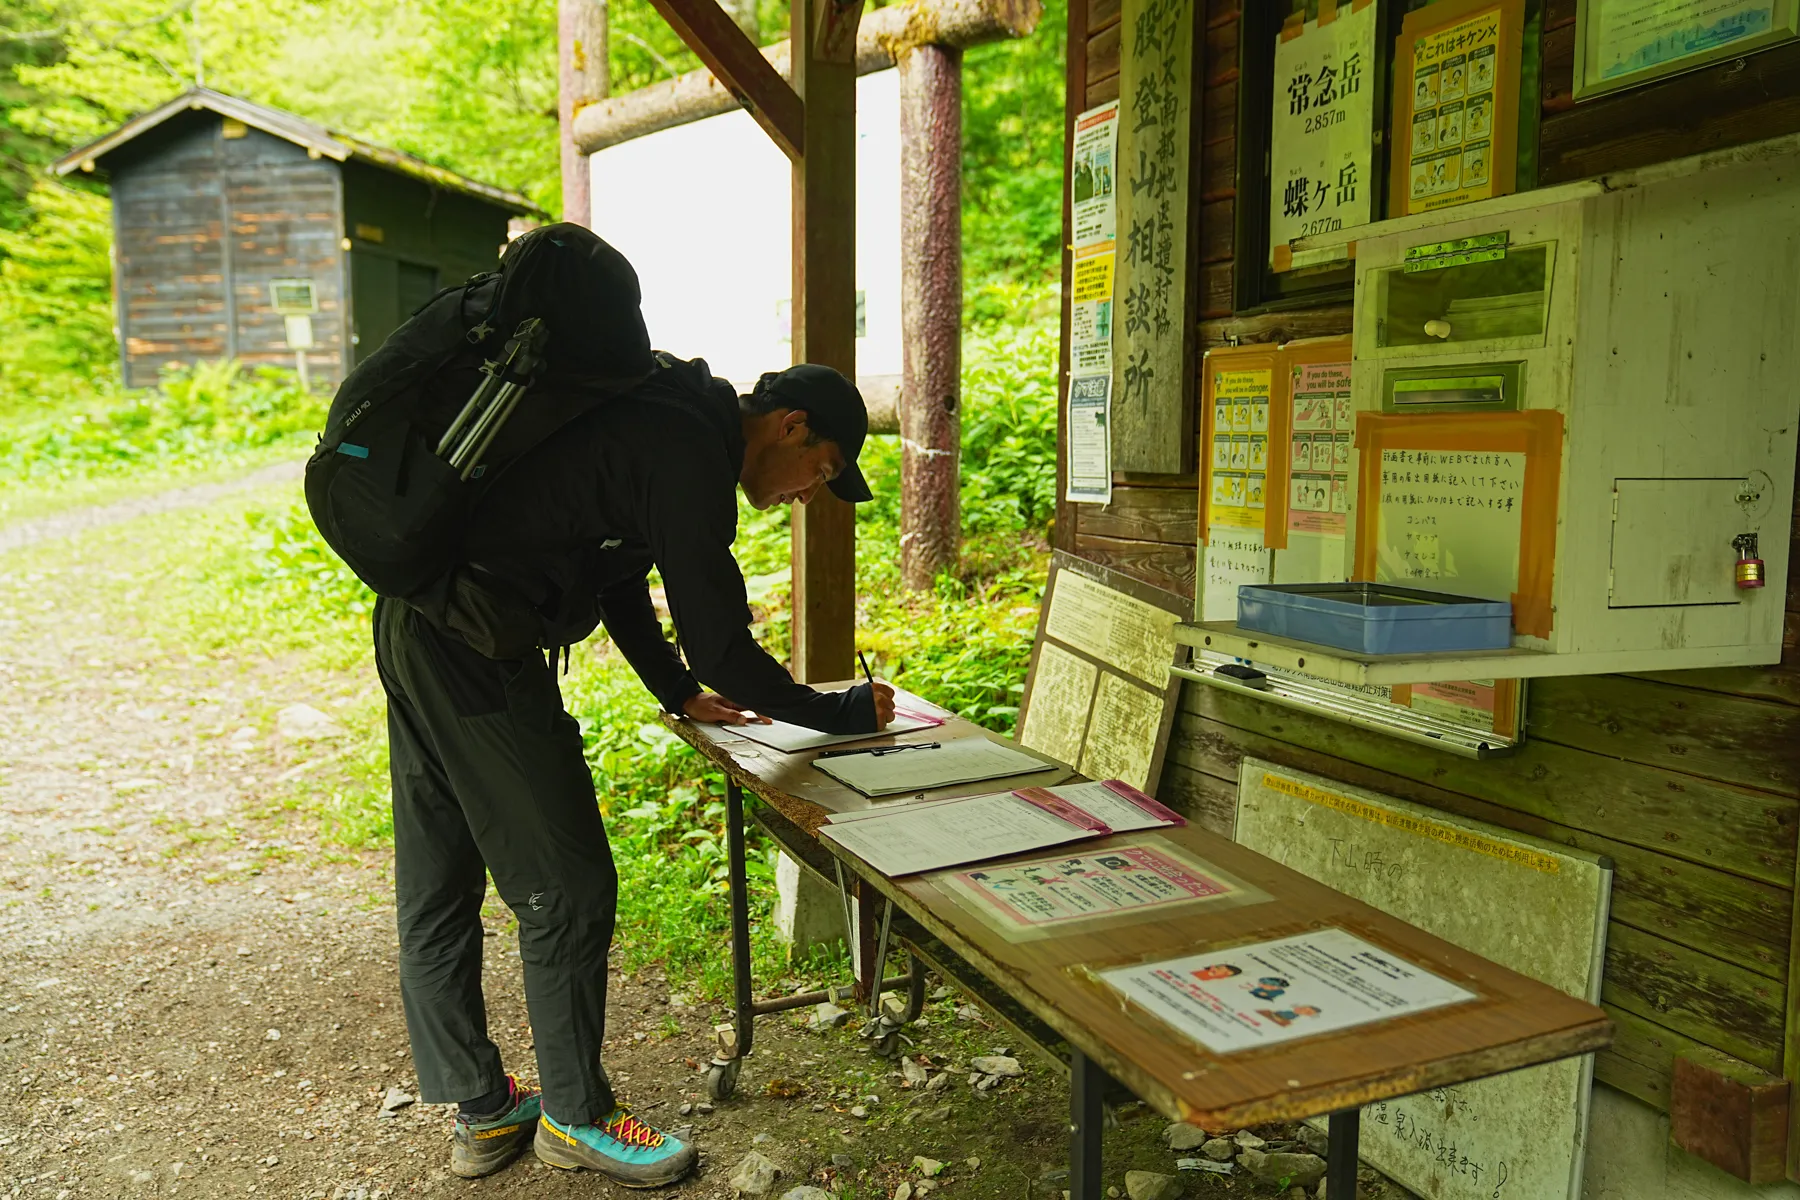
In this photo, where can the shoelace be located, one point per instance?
(628, 1129)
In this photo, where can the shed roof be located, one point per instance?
(301, 132)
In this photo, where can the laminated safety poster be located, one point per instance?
(1270, 992)
(1094, 208)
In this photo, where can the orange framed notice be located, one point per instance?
(1311, 471)
(1241, 395)
(1468, 438)
(1455, 136)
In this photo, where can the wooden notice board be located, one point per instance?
(1534, 906)
(1153, 298)
(1100, 696)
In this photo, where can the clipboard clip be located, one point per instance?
(878, 751)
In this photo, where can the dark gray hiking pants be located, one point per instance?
(488, 773)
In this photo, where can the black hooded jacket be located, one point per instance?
(647, 480)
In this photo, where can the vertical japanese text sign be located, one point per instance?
(1322, 154)
(1152, 377)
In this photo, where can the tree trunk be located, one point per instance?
(582, 79)
(930, 312)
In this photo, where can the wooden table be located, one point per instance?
(1515, 1021)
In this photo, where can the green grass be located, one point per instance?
(70, 442)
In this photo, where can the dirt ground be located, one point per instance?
(198, 997)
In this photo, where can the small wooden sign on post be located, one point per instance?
(1153, 326)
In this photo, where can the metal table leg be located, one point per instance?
(735, 1040)
(1087, 1085)
(1344, 1130)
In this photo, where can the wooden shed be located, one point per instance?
(240, 229)
(1688, 780)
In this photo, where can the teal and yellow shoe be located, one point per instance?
(483, 1147)
(622, 1148)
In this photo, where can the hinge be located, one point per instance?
(1615, 513)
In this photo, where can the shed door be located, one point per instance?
(1672, 541)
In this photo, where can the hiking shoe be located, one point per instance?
(622, 1148)
(483, 1147)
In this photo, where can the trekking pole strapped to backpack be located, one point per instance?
(505, 382)
(422, 427)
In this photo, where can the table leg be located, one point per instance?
(735, 1040)
(1344, 1130)
(1087, 1085)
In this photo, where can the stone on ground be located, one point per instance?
(828, 1016)
(1314, 1140)
(1182, 1136)
(304, 723)
(1249, 1141)
(930, 1168)
(1001, 1066)
(395, 1100)
(1285, 1169)
(754, 1175)
(807, 1192)
(1219, 1149)
(1152, 1185)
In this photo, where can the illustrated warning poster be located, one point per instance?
(1270, 992)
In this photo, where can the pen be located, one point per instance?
(865, 667)
(878, 751)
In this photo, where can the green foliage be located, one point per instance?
(1012, 164)
(203, 416)
(56, 287)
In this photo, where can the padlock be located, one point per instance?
(1749, 571)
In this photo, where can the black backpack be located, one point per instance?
(381, 495)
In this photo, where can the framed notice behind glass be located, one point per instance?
(1622, 43)
(1457, 104)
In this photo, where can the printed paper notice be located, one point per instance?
(1451, 521)
(1635, 35)
(1090, 439)
(1050, 892)
(1322, 156)
(1239, 432)
(1120, 630)
(1271, 992)
(1092, 176)
(1233, 558)
(1450, 154)
(1090, 311)
(1319, 444)
(1122, 734)
(1062, 691)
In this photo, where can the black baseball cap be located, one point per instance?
(834, 411)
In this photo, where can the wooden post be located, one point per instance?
(582, 78)
(1062, 534)
(824, 325)
(930, 312)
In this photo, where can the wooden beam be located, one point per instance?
(736, 61)
(883, 38)
(824, 331)
(1731, 1114)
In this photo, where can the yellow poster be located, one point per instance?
(1457, 85)
(1239, 433)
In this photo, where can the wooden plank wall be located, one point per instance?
(1689, 781)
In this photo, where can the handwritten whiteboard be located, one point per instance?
(1536, 907)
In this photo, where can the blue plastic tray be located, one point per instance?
(1374, 618)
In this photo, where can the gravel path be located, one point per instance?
(63, 524)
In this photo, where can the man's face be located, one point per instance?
(785, 470)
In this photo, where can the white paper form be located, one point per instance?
(1116, 812)
(780, 735)
(912, 838)
(964, 760)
